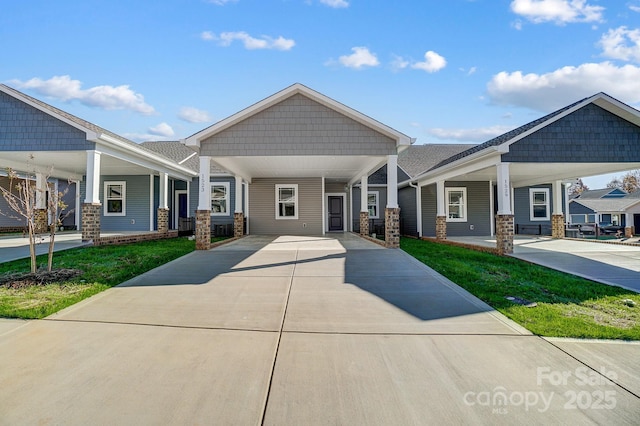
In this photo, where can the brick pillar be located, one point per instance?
(629, 231)
(441, 227)
(504, 233)
(91, 221)
(238, 224)
(557, 226)
(364, 224)
(40, 221)
(392, 228)
(163, 220)
(203, 229)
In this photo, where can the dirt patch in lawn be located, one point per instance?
(21, 279)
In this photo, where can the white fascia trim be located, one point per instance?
(125, 152)
(477, 161)
(297, 88)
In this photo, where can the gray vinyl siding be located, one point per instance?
(68, 191)
(382, 204)
(408, 211)
(586, 135)
(25, 128)
(577, 208)
(215, 219)
(478, 210)
(137, 205)
(298, 126)
(262, 211)
(521, 206)
(8, 218)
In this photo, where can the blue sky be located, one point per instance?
(440, 71)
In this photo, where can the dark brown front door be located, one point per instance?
(335, 214)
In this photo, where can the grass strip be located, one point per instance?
(567, 306)
(103, 267)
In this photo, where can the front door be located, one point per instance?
(336, 216)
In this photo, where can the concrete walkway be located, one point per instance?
(613, 264)
(303, 331)
(14, 247)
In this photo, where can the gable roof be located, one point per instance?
(608, 204)
(600, 99)
(297, 88)
(593, 194)
(180, 153)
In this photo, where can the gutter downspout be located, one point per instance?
(418, 208)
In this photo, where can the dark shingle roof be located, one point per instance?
(593, 194)
(178, 152)
(499, 140)
(417, 159)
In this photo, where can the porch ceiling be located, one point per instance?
(330, 167)
(525, 174)
(68, 164)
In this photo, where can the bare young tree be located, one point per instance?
(578, 188)
(55, 205)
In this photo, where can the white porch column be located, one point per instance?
(440, 201)
(41, 191)
(558, 190)
(92, 190)
(504, 189)
(204, 188)
(364, 211)
(238, 204)
(164, 188)
(419, 209)
(392, 182)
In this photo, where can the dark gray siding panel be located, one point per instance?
(262, 207)
(8, 217)
(478, 210)
(521, 203)
(68, 191)
(576, 208)
(137, 205)
(402, 176)
(25, 128)
(408, 211)
(379, 176)
(587, 135)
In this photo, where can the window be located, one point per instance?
(539, 203)
(287, 201)
(456, 204)
(372, 204)
(115, 198)
(220, 198)
(583, 218)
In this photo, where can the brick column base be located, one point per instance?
(441, 227)
(91, 221)
(203, 229)
(392, 228)
(364, 224)
(557, 226)
(504, 233)
(238, 225)
(163, 220)
(40, 221)
(629, 231)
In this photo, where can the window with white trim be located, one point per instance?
(115, 198)
(219, 198)
(372, 204)
(539, 203)
(287, 201)
(456, 204)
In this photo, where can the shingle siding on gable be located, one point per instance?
(25, 128)
(577, 208)
(137, 205)
(587, 135)
(298, 126)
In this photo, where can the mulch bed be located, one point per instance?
(21, 279)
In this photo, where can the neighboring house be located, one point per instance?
(609, 205)
(115, 184)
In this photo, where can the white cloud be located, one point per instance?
(621, 43)
(107, 97)
(550, 91)
(634, 8)
(557, 11)
(250, 43)
(194, 115)
(221, 2)
(480, 134)
(335, 3)
(399, 63)
(162, 129)
(432, 62)
(361, 57)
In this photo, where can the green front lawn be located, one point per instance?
(567, 306)
(101, 268)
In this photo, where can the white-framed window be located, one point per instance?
(539, 203)
(287, 201)
(372, 204)
(219, 198)
(583, 218)
(115, 198)
(456, 199)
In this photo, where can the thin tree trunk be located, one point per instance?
(52, 236)
(32, 246)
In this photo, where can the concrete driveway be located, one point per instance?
(301, 331)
